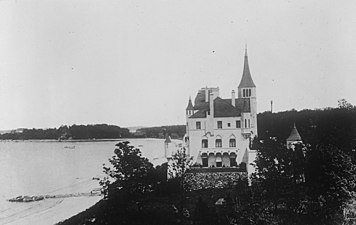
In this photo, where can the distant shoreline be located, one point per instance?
(78, 140)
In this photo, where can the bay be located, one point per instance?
(52, 167)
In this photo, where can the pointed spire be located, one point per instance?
(294, 134)
(246, 80)
(168, 139)
(190, 105)
(245, 49)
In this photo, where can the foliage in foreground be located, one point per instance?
(304, 185)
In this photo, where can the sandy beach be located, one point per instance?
(48, 211)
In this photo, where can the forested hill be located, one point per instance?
(98, 131)
(174, 131)
(328, 126)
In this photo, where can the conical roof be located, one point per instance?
(168, 139)
(190, 105)
(246, 80)
(294, 135)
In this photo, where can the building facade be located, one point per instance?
(220, 130)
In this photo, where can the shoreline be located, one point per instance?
(80, 140)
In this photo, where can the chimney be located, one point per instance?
(207, 94)
(211, 101)
(233, 98)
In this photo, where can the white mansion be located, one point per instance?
(219, 131)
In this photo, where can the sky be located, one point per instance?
(136, 63)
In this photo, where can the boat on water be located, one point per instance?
(70, 147)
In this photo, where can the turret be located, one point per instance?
(294, 137)
(167, 147)
(190, 109)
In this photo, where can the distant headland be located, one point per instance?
(95, 132)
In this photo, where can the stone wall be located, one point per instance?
(214, 179)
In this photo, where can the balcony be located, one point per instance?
(216, 169)
(218, 150)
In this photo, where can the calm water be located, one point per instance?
(42, 167)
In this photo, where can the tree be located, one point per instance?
(180, 163)
(343, 104)
(130, 172)
(331, 182)
(278, 183)
(303, 185)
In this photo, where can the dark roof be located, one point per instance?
(246, 80)
(168, 139)
(200, 114)
(199, 102)
(223, 108)
(294, 135)
(242, 104)
(190, 105)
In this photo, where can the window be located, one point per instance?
(245, 123)
(198, 125)
(249, 123)
(218, 160)
(218, 143)
(232, 142)
(219, 124)
(238, 124)
(228, 124)
(246, 93)
(204, 143)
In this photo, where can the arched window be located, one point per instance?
(218, 142)
(204, 142)
(218, 160)
(232, 142)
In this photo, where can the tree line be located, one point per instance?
(174, 131)
(75, 132)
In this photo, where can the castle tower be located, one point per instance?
(247, 90)
(294, 137)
